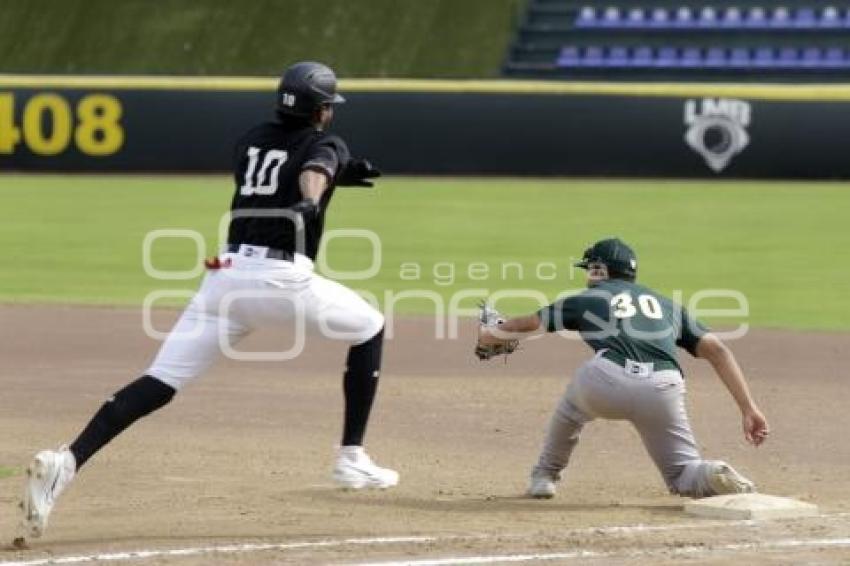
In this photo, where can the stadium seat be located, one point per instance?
(660, 18)
(781, 18)
(756, 18)
(764, 57)
(789, 57)
(715, 57)
(804, 18)
(636, 18)
(667, 57)
(732, 18)
(618, 57)
(835, 58)
(611, 17)
(586, 17)
(739, 57)
(708, 17)
(642, 56)
(707, 36)
(691, 58)
(593, 57)
(811, 57)
(830, 17)
(684, 17)
(569, 57)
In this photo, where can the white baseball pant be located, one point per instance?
(250, 292)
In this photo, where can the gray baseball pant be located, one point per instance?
(654, 403)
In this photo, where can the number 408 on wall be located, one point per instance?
(96, 130)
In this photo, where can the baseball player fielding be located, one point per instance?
(634, 375)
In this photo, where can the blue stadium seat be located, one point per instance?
(716, 57)
(667, 57)
(691, 58)
(636, 18)
(788, 57)
(593, 57)
(642, 56)
(835, 58)
(708, 17)
(782, 27)
(812, 57)
(618, 57)
(611, 17)
(781, 17)
(684, 18)
(756, 18)
(764, 57)
(732, 18)
(660, 18)
(830, 17)
(739, 57)
(805, 18)
(569, 57)
(586, 18)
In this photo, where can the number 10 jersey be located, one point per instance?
(268, 162)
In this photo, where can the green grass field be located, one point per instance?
(78, 239)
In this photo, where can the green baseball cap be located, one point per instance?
(615, 254)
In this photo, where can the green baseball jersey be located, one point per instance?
(629, 319)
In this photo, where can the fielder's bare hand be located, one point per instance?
(755, 426)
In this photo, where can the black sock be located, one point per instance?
(360, 383)
(138, 399)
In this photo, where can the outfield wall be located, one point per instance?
(148, 124)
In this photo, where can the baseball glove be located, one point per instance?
(491, 318)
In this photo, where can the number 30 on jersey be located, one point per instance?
(624, 306)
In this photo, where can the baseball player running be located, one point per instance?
(634, 374)
(285, 174)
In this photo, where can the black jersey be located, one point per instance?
(267, 164)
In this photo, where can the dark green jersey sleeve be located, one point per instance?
(691, 332)
(563, 314)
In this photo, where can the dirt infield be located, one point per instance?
(236, 470)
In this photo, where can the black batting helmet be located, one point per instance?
(306, 86)
(617, 256)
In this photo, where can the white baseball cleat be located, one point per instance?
(723, 479)
(355, 470)
(47, 477)
(541, 486)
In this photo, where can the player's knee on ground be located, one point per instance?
(689, 480)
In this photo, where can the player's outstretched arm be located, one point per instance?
(721, 358)
(511, 329)
(313, 184)
(497, 336)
